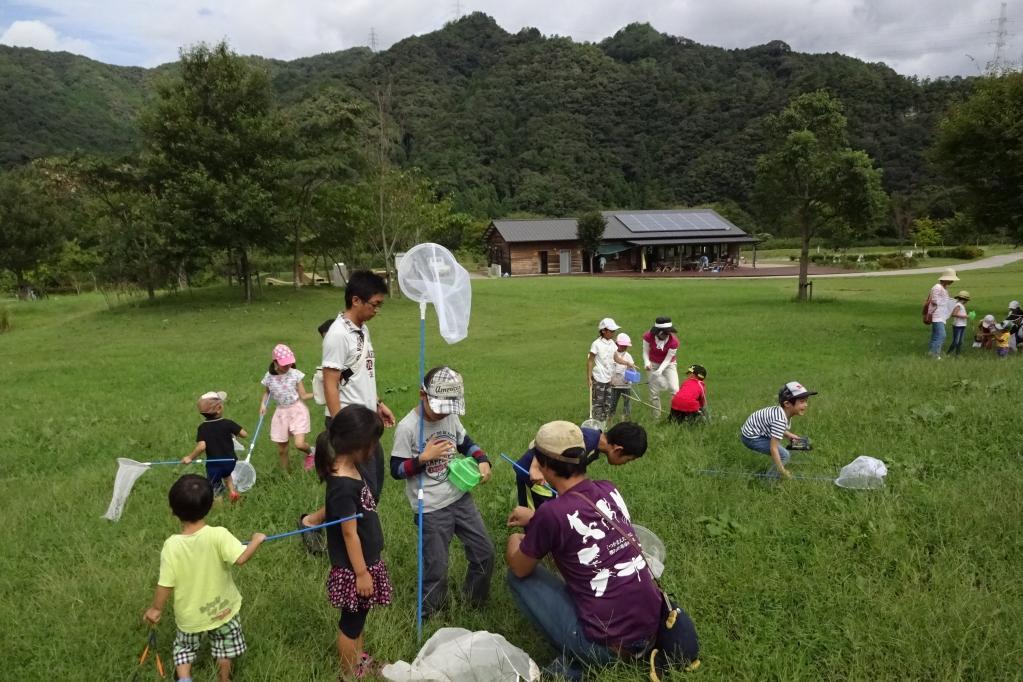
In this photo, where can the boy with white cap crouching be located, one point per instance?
(765, 428)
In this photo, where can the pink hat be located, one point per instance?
(283, 355)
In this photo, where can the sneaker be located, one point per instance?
(234, 496)
(310, 459)
(314, 540)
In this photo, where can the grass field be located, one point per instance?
(801, 580)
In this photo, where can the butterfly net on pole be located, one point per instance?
(128, 471)
(429, 273)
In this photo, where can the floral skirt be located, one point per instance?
(341, 588)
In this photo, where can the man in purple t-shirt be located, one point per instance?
(607, 604)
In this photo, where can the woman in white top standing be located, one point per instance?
(939, 307)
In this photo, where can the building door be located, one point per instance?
(566, 261)
(543, 262)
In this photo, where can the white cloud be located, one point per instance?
(41, 36)
(930, 38)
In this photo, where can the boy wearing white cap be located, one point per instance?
(600, 368)
(620, 388)
(765, 428)
(215, 439)
(447, 511)
(937, 308)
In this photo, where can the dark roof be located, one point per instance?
(659, 227)
(735, 239)
(542, 230)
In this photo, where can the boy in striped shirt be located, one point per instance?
(765, 428)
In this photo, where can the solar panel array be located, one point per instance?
(672, 222)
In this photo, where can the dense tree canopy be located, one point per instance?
(980, 145)
(522, 122)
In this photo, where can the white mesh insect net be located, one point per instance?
(128, 471)
(429, 273)
(863, 473)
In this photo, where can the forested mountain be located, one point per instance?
(523, 122)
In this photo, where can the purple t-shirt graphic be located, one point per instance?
(615, 598)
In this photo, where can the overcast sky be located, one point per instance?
(922, 37)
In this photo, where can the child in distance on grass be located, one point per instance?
(600, 367)
(283, 384)
(985, 336)
(215, 438)
(195, 566)
(1003, 339)
(689, 402)
(765, 428)
(358, 578)
(960, 318)
(447, 511)
(621, 444)
(620, 388)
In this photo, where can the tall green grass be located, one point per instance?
(801, 580)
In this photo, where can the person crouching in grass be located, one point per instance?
(690, 402)
(765, 428)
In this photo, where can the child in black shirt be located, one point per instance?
(358, 578)
(215, 437)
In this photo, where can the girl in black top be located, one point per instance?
(358, 577)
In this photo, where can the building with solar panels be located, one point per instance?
(634, 241)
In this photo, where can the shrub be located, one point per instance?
(960, 252)
(896, 262)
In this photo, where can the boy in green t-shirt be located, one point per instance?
(196, 566)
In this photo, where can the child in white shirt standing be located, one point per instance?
(960, 318)
(600, 364)
(283, 383)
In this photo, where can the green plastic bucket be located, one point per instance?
(464, 473)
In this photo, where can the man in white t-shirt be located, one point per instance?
(940, 307)
(600, 368)
(349, 369)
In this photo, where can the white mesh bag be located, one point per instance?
(654, 550)
(458, 655)
(429, 273)
(128, 471)
(863, 473)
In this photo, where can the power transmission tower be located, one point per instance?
(998, 63)
(372, 39)
(458, 9)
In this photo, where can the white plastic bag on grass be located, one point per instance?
(863, 473)
(430, 273)
(458, 655)
(128, 471)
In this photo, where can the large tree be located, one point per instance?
(811, 178)
(590, 231)
(321, 144)
(31, 226)
(213, 144)
(980, 146)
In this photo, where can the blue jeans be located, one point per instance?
(762, 444)
(543, 598)
(957, 340)
(937, 338)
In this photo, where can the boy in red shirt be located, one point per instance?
(689, 402)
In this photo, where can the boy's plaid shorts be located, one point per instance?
(226, 641)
